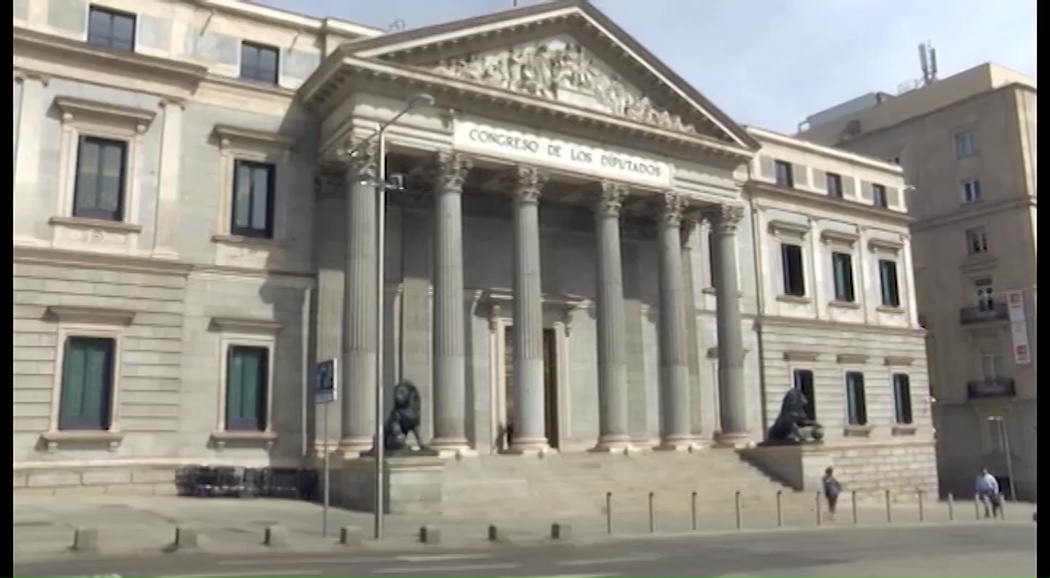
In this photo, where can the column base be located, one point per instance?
(452, 448)
(613, 445)
(353, 448)
(678, 444)
(165, 253)
(538, 447)
(734, 440)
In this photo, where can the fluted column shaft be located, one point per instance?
(731, 393)
(612, 344)
(449, 340)
(360, 300)
(529, 408)
(675, 423)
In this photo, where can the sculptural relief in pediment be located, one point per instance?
(560, 69)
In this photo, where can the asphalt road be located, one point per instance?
(956, 551)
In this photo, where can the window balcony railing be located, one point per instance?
(996, 387)
(986, 313)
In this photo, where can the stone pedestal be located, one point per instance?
(413, 485)
(799, 466)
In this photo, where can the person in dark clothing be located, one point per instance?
(832, 489)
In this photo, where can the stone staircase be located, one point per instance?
(576, 483)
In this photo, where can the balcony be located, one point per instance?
(986, 313)
(985, 388)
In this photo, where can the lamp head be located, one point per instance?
(421, 100)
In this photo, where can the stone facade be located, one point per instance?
(623, 297)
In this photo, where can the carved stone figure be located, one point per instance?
(404, 419)
(542, 70)
(792, 417)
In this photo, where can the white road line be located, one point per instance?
(348, 560)
(417, 570)
(571, 576)
(441, 557)
(615, 560)
(252, 574)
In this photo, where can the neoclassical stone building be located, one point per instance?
(580, 248)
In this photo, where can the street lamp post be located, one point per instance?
(381, 185)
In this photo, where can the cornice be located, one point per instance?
(759, 190)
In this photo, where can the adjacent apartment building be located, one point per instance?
(967, 144)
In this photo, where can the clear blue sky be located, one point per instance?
(771, 63)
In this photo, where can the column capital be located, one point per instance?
(723, 218)
(610, 198)
(671, 208)
(361, 158)
(451, 170)
(527, 183)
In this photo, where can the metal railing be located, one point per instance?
(994, 387)
(984, 313)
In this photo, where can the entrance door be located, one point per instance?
(550, 383)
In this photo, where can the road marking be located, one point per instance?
(252, 574)
(442, 557)
(572, 576)
(350, 559)
(615, 560)
(416, 570)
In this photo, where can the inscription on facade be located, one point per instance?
(559, 153)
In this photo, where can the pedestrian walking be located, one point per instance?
(988, 492)
(832, 489)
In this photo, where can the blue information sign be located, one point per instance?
(326, 381)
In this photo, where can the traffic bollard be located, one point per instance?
(922, 516)
(816, 503)
(853, 505)
(951, 507)
(652, 514)
(780, 508)
(889, 508)
(1002, 507)
(977, 506)
(736, 502)
(692, 509)
(608, 513)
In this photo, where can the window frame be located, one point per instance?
(862, 421)
(271, 180)
(811, 404)
(971, 187)
(118, 215)
(259, 48)
(231, 424)
(66, 423)
(879, 196)
(851, 289)
(785, 279)
(838, 191)
(788, 173)
(965, 136)
(896, 287)
(112, 13)
(903, 410)
(976, 240)
(240, 144)
(240, 332)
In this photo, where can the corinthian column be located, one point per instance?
(675, 422)
(359, 306)
(612, 345)
(529, 408)
(731, 394)
(449, 340)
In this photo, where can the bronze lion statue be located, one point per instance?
(787, 427)
(404, 418)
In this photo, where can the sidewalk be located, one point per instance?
(132, 525)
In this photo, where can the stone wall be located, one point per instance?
(120, 480)
(902, 468)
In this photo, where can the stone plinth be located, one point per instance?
(412, 484)
(799, 466)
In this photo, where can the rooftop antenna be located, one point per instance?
(928, 60)
(398, 24)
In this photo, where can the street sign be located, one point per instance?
(326, 381)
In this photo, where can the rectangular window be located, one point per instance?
(991, 365)
(888, 280)
(258, 63)
(902, 398)
(878, 196)
(834, 184)
(785, 174)
(111, 29)
(971, 191)
(247, 374)
(87, 384)
(985, 294)
(794, 273)
(803, 381)
(965, 144)
(842, 268)
(99, 189)
(856, 405)
(976, 241)
(712, 257)
(252, 200)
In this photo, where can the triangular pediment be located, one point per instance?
(566, 52)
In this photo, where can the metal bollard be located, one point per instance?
(608, 513)
(780, 508)
(1002, 507)
(652, 513)
(817, 508)
(951, 507)
(692, 508)
(736, 500)
(977, 506)
(889, 508)
(853, 505)
(922, 517)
